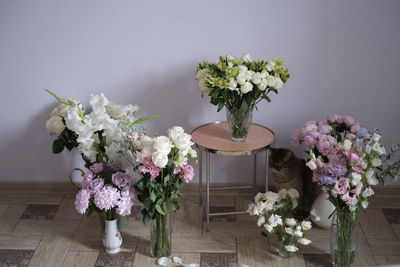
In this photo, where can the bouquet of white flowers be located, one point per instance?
(274, 214)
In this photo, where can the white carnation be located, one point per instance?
(55, 125)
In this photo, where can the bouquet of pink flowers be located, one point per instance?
(345, 158)
(107, 189)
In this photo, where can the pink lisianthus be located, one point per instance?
(311, 164)
(350, 200)
(187, 173)
(341, 186)
(82, 201)
(107, 197)
(149, 167)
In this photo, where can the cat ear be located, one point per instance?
(287, 156)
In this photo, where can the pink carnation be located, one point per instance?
(125, 203)
(149, 167)
(82, 201)
(341, 186)
(106, 198)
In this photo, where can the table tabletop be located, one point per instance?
(215, 138)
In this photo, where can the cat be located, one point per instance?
(288, 171)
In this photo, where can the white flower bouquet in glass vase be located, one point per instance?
(239, 84)
(274, 211)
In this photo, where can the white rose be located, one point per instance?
(306, 225)
(259, 196)
(268, 227)
(376, 137)
(291, 248)
(260, 221)
(175, 132)
(278, 83)
(183, 143)
(162, 144)
(304, 241)
(241, 78)
(160, 159)
(262, 85)
(203, 85)
(249, 74)
(246, 87)
(355, 178)
(293, 193)
(298, 233)
(376, 162)
(271, 197)
(55, 125)
(289, 231)
(246, 57)
(256, 78)
(290, 221)
(347, 144)
(232, 84)
(264, 74)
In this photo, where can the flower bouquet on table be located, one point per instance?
(239, 84)
(163, 163)
(274, 211)
(344, 157)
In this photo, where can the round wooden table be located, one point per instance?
(215, 138)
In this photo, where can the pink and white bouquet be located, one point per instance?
(107, 189)
(344, 157)
(274, 211)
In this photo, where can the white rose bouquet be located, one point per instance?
(239, 84)
(274, 215)
(163, 163)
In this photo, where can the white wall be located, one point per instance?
(343, 56)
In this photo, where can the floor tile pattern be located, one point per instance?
(122, 259)
(41, 212)
(218, 260)
(11, 258)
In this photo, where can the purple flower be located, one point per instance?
(326, 144)
(120, 179)
(97, 167)
(324, 129)
(336, 170)
(95, 185)
(363, 131)
(348, 120)
(106, 198)
(355, 128)
(125, 203)
(326, 179)
(114, 165)
(335, 118)
(82, 201)
(87, 179)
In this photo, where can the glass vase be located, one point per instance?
(343, 241)
(283, 252)
(160, 236)
(239, 123)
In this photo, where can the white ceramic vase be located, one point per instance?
(112, 239)
(323, 208)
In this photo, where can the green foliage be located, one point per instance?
(67, 139)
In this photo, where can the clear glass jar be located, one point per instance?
(239, 123)
(160, 235)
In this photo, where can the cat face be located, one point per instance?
(280, 158)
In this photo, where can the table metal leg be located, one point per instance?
(254, 173)
(266, 169)
(208, 190)
(200, 177)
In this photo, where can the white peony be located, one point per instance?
(160, 159)
(275, 220)
(246, 87)
(291, 248)
(232, 84)
(162, 144)
(290, 221)
(304, 241)
(306, 225)
(55, 125)
(260, 221)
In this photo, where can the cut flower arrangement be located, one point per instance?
(163, 164)
(344, 158)
(274, 211)
(239, 84)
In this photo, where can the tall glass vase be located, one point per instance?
(343, 242)
(160, 236)
(239, 123)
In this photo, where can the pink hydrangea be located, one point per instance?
(324, 129)
(125, 203)
(341, 186)
(106, 198)
(82, 201)
(149, 167)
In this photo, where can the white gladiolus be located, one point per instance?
(246, 87)
(291, 248)
(372, 180)
(353, 207)
(118, 111)
(55, 125)
(260, 221)
(62, 110)
(304, 241)
(364, 204)
(290, 221)
(306, 225)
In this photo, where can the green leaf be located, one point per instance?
(153, 196)
(160, 210)
(58, 146)
(61, 100)
(174, 205)
(166, 179)
(140, 120)
(146, 217)
(220, 106)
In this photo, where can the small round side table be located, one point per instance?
(215, 138)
